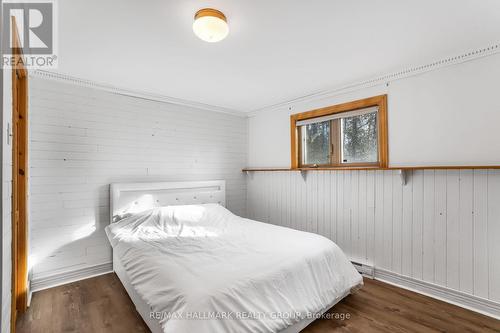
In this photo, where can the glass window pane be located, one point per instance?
(316, 143)
(359, 139)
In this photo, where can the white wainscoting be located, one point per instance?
(442, 227)
(83, 139)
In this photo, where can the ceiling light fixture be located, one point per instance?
(210, 25)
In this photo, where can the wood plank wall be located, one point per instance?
(82, 139)
(442, 227)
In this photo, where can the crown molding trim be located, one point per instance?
(386, 78)
(55, 76)
(322, 94)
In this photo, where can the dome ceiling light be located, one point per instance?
(210, 25)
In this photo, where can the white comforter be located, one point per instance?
(203, 269)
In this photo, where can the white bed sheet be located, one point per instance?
(195, 265)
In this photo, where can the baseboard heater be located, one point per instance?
(364, 270)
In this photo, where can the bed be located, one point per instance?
(190, 265)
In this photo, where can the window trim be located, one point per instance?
(378, 101)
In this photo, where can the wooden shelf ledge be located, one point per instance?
(440, 167)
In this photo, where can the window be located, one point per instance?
(347, 135)
(316, 143)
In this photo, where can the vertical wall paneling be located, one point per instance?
(308, 200)
(314, 203)
(442, 227)
(407, 244)
(387, 234)
(340, 209)
(327, 192)
(481, 277)
(273, 214)
(320, 193)
(379, 217)
(493, 232)
(418, 224)
(333, 205)
(362, 217)
(440, 212)
(303, 202)
(294, 201)
(397, 222)
(348, 211)
(354, 210)
(286, 216)
(370, 217)
(428, 227)
(268, 185)
(466, 232)
(452, 240)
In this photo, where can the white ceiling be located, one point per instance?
(277, 50)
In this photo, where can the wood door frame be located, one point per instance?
(19, 181)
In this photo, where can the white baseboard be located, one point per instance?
(471, 302)
(45, 282)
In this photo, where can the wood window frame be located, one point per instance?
(382, 135)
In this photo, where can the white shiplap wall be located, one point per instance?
(442, 227)
(82, 139)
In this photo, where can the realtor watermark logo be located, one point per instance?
(36, 42)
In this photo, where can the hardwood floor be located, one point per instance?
(101, 304)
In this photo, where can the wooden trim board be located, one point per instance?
(440, 167)
(19, 300)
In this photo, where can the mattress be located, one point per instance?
(200, 268)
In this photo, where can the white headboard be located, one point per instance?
(130, 198)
